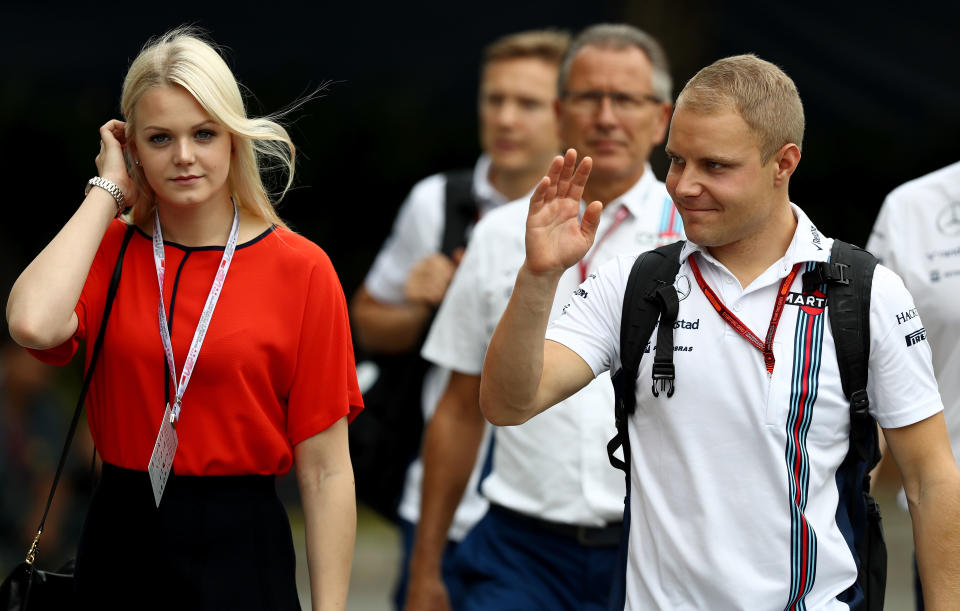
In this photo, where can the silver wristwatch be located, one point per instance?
(110, 187)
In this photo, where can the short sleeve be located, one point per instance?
(590, 322)
(89, 308)
(457, 339)
(416, 233)
(324, 387)
(901, 384)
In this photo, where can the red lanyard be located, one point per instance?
(765, 347)
(622, 214)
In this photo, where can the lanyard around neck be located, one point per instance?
(159, 260)
(584, 263)
(765, 347)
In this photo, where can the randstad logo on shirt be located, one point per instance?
(683, 324)
(811, 303)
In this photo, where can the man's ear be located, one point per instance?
(785, 163)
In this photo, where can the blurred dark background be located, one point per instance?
(880, 87)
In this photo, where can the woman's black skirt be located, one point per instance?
(214, 543)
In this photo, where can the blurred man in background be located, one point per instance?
(393, 308)
(549, 539)
(917, 235)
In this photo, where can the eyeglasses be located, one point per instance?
(590, 100)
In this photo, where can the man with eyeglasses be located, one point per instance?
(550, 537)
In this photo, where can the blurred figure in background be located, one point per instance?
(393, 308)
(917, 235)
(549, 539)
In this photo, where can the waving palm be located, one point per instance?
(556, 236)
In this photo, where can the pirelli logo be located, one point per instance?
(916, 337)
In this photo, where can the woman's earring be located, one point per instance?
(137, 161)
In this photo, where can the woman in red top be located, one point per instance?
(229, 334)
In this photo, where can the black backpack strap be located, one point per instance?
(848, 277)
(460, 210)
(663, 371)
(649, 290)
(649, 296)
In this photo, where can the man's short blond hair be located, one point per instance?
(761, 93)
(546, 45)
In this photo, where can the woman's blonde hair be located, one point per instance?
(184, 57)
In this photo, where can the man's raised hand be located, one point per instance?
(556, 236)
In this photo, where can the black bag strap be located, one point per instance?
(460, 210)
(98, 344)
(649, 292)
(664, 373)
(849, 277)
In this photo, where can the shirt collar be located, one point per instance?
(486, 195)
(808, 244)
(636, 195)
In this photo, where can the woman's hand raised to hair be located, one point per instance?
(556, 237)
(110, 160)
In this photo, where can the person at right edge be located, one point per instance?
(917, 235)
(734, 501)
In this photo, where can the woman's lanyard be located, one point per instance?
(164, 449)
(765, 347)
(205, 316)
(584, 263)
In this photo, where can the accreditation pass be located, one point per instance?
(161, 461)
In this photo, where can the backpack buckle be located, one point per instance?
(826, 273)
(859, 402)
(838, 274)
(663, 376)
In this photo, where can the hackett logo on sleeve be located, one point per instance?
(903, 317)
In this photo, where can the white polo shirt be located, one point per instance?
(417, 233)
(555, 466)
(733, 483)
(917, 235)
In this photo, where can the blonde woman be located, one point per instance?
(228, 349)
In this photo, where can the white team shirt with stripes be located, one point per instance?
(733, 484)
(555, 466)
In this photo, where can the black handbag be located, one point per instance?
(27, 587)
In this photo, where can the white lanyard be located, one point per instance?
(205, 316)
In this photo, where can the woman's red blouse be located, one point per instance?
(276, 366)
